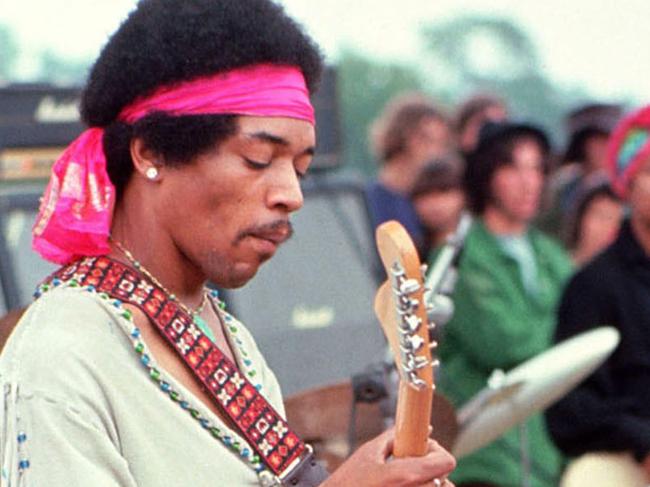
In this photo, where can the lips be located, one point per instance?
(267, 239)
(276, 237)
(277, 232)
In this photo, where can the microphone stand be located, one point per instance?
(441, 279)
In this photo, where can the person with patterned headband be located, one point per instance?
(127, 370)
(608, 413)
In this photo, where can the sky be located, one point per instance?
(600, 46)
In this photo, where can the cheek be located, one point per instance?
(439, 209)
(211, 218)
(591, 226)
(450, 205)
(639, 192)
(503, 188)
(458, 201)
(538, 181)
(497, 185)
(601, 223)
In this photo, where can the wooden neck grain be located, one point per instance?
(411, 420)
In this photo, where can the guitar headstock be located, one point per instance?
(401, 310)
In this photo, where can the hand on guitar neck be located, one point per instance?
(404, 456)
(373, 465)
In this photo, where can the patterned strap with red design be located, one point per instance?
(231, 391)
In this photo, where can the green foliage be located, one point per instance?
(465, 55)
(364, 87)
(504, 50)
(49, 67)
(8, 52)
(59, 70)
(485, 54)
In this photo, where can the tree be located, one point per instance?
(56, 69)
(364, 87)
(495, 55)
(8, 52)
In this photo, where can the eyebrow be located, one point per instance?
(276, 140)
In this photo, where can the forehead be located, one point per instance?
(525, 150)
(528, 146)
(285, 132)
(525, 153)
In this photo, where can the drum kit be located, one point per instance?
(335, 423)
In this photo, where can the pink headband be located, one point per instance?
(75, 216)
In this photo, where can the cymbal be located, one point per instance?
(321, 417)
(530, 387)
(604, 469)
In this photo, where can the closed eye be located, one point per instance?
(256, 164)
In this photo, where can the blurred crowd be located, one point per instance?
(559, 245)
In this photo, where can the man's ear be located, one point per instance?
(145, 161)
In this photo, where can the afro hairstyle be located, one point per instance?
(163, 42)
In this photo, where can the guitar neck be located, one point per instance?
(411, 420)
(401, 309)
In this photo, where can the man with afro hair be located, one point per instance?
(127, 370)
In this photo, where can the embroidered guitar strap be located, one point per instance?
(257, 421)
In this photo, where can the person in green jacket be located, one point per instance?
(510, 280)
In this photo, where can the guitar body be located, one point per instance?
(401, 310)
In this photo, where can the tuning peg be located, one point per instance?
(411, 343)
(416, 381)
(409, 286)
(408, 305)
(423, 269)
(433, 345)
(397, 270)
(412, 323)
(414, 363)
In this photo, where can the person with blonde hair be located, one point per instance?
(410, 132)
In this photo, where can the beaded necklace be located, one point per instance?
(194, 313)
(263, 429)
(224, 435)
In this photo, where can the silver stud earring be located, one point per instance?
(151, 173)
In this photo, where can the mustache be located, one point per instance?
(271, 228)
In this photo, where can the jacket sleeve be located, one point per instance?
(595, 415)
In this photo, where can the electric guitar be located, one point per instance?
(401, 310)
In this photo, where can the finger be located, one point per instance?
(436, 464)
(380, 447)
(438, 483)
(432, 445)
(389, 437)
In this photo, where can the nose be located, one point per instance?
(284, 190)
(532, 179)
